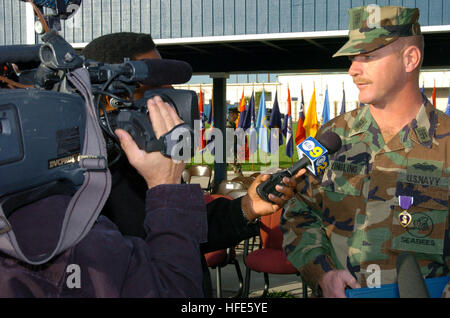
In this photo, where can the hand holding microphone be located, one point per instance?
(315, 159)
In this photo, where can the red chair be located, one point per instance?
(270, 257)
(221, 258)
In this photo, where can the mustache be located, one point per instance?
(360, 80)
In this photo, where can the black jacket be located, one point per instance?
(126, 208)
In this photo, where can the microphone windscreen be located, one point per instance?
(331, 141)
(162, 72)
(19, 53)
(409, 278)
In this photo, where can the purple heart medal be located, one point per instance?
(405, 202)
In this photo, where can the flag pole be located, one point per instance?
(289, 109)
(295, 109)
(262, 93)
(253, 159)
(201, 120)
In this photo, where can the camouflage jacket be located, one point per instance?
(348, 218)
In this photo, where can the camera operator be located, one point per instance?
(229, 221)
(105, 263)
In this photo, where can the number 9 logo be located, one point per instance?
(322, 167)
(316, 152)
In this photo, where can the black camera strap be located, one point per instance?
(87, 202)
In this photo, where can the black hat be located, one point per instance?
(233, 110)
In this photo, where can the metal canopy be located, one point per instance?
(286, 55)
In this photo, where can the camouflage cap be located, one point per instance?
(372, 27)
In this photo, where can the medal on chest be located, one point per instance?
(405, 203)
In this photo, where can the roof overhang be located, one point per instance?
(282, 52)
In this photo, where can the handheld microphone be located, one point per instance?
(409, 278)
(314, 156)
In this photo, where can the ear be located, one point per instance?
(411, 58)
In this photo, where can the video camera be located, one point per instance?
(43, 126)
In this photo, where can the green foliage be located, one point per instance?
(279, 294)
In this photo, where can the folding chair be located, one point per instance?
(201, 171)
(186, 176)
(247, 181)
(254, 175)
(227, 186)
(270, 257)
(237, 194)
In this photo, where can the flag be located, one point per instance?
(261, 125)
(447, 110)
(311, 125)
(288, 121)
(433, 96)
(243, 121)
(326, 109)
(285, 121)
(210, 119)
(275, 119)
(343, 103)
(252, 136)
(241, 110)
(209, 136)
(202, 141)
(300, 133)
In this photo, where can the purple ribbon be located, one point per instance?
(405, 201)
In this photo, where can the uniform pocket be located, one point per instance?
(426, 232)
(343, 182)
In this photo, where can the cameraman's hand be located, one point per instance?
(154, 167)
(253, 206)
(334, 282)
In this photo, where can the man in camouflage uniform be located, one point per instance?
(346, 224)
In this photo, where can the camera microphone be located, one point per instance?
(314, 157)
(24, 53)
(165, 71)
